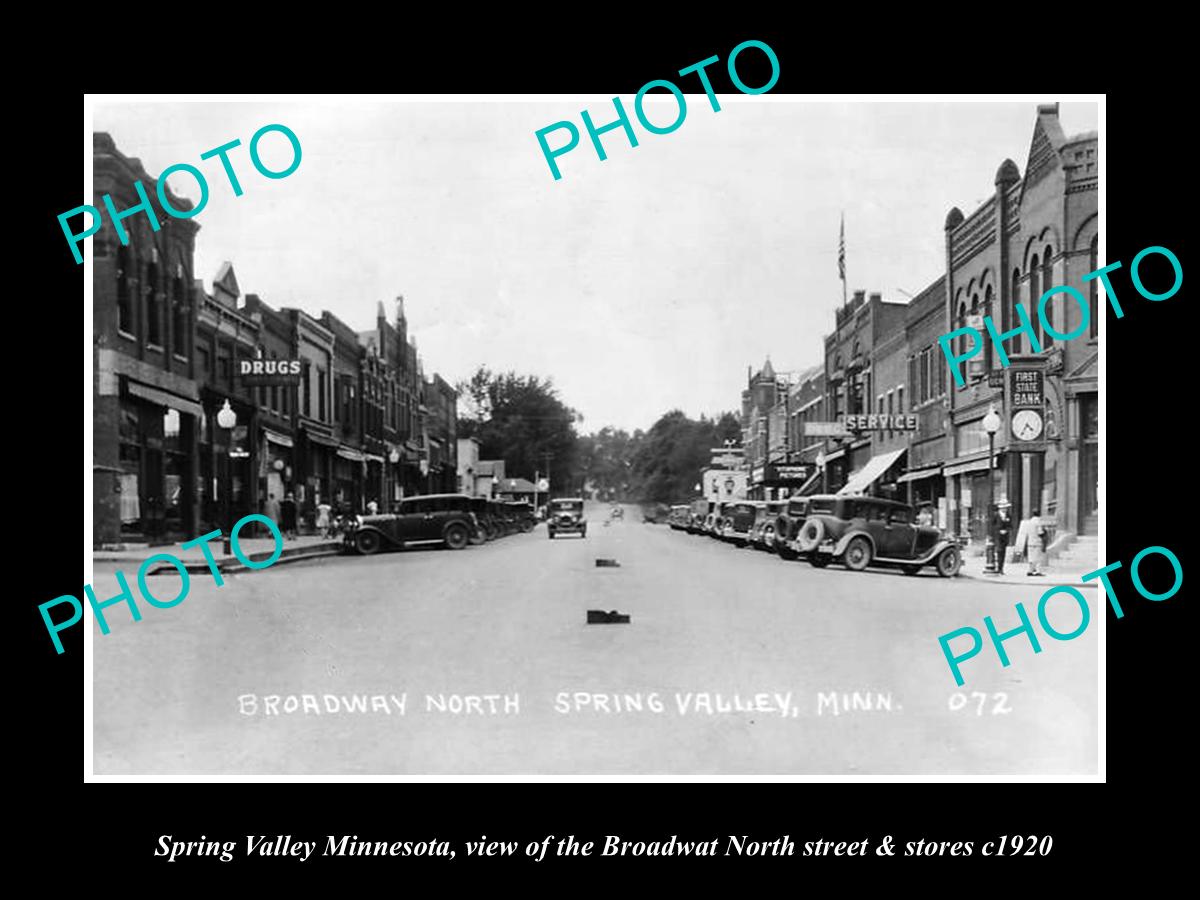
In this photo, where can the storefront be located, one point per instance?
(276, 468)
(348, 479)
(926, 487)
(156, 478)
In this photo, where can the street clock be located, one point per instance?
(1027, 424)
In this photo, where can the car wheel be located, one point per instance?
(367, 542)
(819, 560)
(457, 536)
(857, 555)
(948, 562)
(910, 570)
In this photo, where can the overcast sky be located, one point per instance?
(643, 283)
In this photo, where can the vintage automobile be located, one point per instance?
(680, 516)
(714, 522)
(866, 531)
(787, 527)
(427, 519)
(618, 512)
(486, 530)
(566, 517)
(699, 512)
(736, 520)
(762, 532)
(521, 515)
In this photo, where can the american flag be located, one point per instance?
(842, 250)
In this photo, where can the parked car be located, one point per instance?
(866, 531)
(762, 532)
(699, 512)
(565, 516)
(679, 516)
(485, 529)
(521, 513)
(736, 520)
(787, 527)
(427, 519)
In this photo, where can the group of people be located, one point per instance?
(1032, 535)
(328, 524)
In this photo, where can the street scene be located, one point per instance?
(678, 482)
(835, 672)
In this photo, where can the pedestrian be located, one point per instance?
(925, 516)
(287, 512)
(1002, 529)
(1035, 537)
(271, 509)
(324, 525)
(373, 508)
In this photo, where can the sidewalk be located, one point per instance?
(1014, 573)
(304, 547)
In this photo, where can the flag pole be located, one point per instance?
(842, 257)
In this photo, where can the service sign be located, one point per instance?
(1027, 388)
(268, 372)
(874, 422)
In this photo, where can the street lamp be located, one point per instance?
(824, 475)
(227, 419)
(991, 424)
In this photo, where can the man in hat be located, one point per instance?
(1002, 528)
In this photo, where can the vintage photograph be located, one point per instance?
(422, 445)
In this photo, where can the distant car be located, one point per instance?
(866, 531)
(679, 516)
(787, 527)
(699, 513)
(523, 515)
(619, 513)
(762, 532)
(736, 520)
(427, 519)
(565, 516)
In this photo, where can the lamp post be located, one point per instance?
(824, 474)
(227, 419)
(991, 424)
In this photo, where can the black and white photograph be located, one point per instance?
(695, 435)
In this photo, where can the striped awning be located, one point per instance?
(875, 467)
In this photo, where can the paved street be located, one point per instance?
(194, 689)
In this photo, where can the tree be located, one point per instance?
(520, 419)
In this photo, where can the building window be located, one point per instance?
(941, 378)
(1047, 284)
(181, 331)
(224, 363)
(990, 359)
(962, 323)
(203, 361)
(1034, 293)
(1015, 346)
(124, 305)
(322, 387)
(1094, 318)
(899, 400)
(153, 308)
(306, 391)
(912, 373)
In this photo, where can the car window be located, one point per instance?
(901, 517)
(822, 506)
(874, 512)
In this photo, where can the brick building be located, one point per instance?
(146, 401)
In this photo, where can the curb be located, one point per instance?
(1048, 580)
(233, 564)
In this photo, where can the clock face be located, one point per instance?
(1027, 424)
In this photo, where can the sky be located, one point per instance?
(640, 284)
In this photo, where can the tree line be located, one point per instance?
(522, 420)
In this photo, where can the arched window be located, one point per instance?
(124, 297)
(991, 360)
(962, 323)
(1047, 283)
(1034, 294)
(1094, 320)
(153, 309)
(974, 311)
(180, 329)
(1008, 314)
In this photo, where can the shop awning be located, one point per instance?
(162, 398)
(371, 457)
(276, 438)
(808, 486)
(876, 466)
(975, 465)
(919, 474)
(352, 455)
(836, 454)
(322, 440)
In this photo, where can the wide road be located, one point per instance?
(481, 662)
